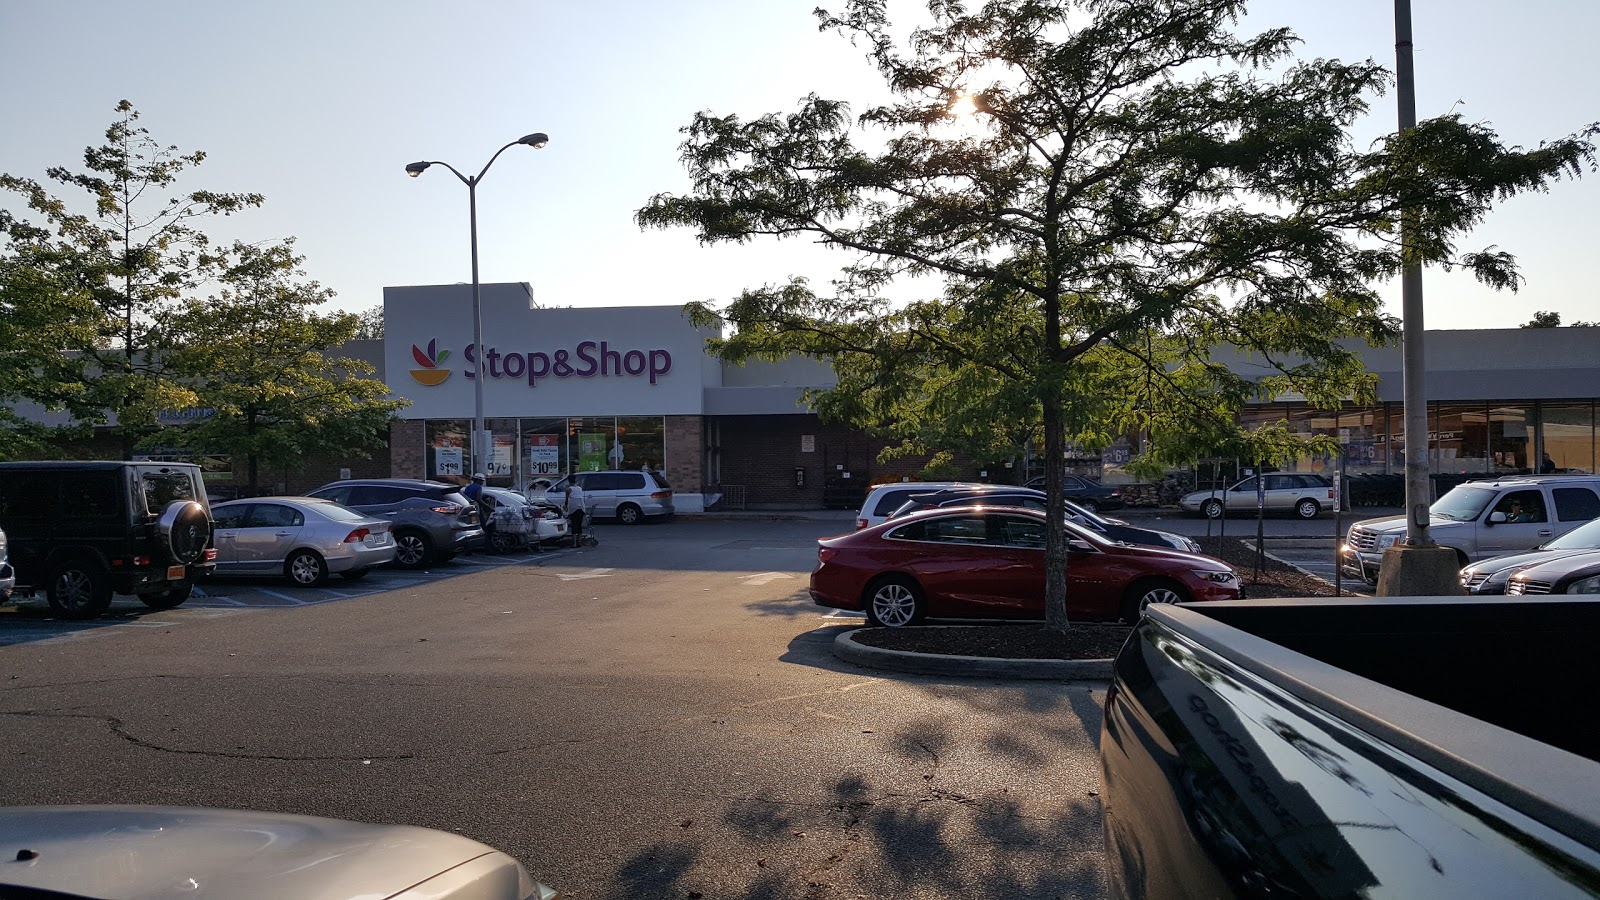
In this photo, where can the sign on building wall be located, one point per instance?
(640, 360)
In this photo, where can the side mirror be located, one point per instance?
(1080, 546)
(1496, 518)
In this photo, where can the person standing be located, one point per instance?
(474, 490)
(573, 505)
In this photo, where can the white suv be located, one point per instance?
(1480, 519)
(630, 495)
(886, 498)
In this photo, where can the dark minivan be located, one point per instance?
(81, 531)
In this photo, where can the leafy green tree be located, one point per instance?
(134, 257)
(38, 320)
(1135, 186)
(1545, 319)
(260, 358)
(370, 324)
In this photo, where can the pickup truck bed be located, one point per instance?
(1395, 747)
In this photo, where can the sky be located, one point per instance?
(319, 105)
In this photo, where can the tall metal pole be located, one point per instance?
(1418, 494)
(477, 338)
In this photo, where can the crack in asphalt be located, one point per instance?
(119, 728)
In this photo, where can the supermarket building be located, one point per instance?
(622, 387)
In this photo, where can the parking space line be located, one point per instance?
(295, 600)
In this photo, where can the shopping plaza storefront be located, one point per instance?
(622, 387)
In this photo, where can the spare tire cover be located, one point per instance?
(186, 529)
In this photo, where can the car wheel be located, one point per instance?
(1308, 509)
(1211, 509)
(175, 593)
(1150, 590)
(355, 574)
(1089, 503)
(186, 529)
(306, 568)
(501, 542)
(79, 590)
(628, 514)
(412, 549)
(895, 601)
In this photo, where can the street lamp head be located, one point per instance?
(536, 140)
(417, 168)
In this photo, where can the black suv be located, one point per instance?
(81, 531)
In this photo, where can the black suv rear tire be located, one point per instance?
(79, 589)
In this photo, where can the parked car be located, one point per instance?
(8, 575)
(631, 496)
(1489, 576)
(430, 520)
(304, 539)
(1003, 495)
(165, 851)
(1475, 519)
(1575, 574)
(989, 563)
(1085, 492)
(1286, 492)
(81, 531)
(884, 499)
(513, 523)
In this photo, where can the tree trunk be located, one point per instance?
(1055, 544)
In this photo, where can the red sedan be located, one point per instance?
(988, 562)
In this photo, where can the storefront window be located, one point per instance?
(1359, 432)
(1569, 435)
(642, 441)
(1461, 439)
(447, 450)
(592, 443)
(501, 463)
(544, 449)
(1509, 444)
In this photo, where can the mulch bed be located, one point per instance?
(1084, 640)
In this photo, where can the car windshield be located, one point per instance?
(1463, 503)
(1584, 537)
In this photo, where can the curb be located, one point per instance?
(845, 648)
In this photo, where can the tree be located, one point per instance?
(38, 319)
(1551, 319)
(369, 325)
(1134, 187)
(134, 258)
(257, 356)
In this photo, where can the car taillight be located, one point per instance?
(141, 560)
(211, 554)
(826, 553)
(448, 509)
(860, 524)
(357, 536)
(1330, 493)
(1116, 493)
(661, 495)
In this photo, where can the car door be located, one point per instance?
(1574, 506)
(1533, 529)
(1283, 492)
(228, 521)
(1242, 496)
(628, 487)
(1017, 577)
(269, 532)
(953, 560)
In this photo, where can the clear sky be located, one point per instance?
(320, 104)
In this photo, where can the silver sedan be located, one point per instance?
(303, 539)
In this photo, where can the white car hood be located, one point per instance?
(1391, 524)
(135, 852)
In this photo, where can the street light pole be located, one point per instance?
(1419, 567)
(535, 140)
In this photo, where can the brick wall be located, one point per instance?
(407, 454)
(685, 449)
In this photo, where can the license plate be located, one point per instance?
(177, 573)
(376, 539)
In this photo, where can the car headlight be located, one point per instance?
(1214, 576)
(1590, 585)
